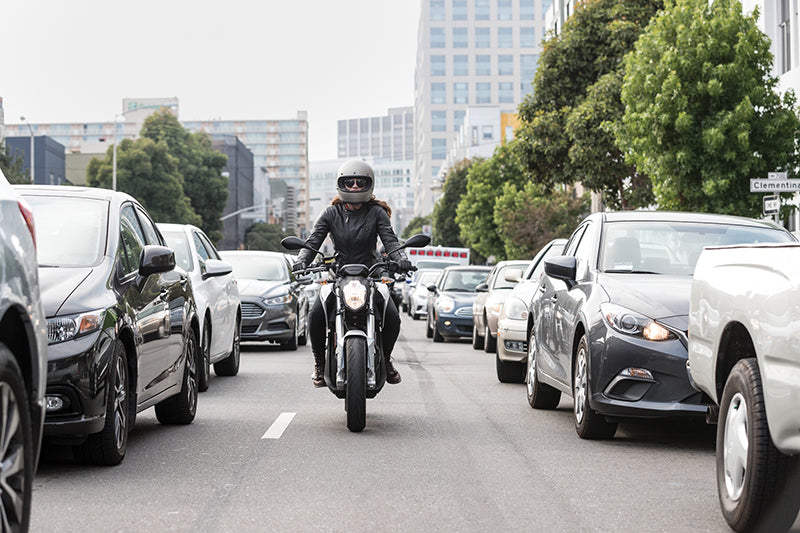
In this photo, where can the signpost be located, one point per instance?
(772, 205)
(775, 183)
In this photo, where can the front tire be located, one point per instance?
(540, 395)
(489, 342)
(16, 446)
(204, 369)
(437, 337)
(757, 484)
(291, 344)
(302, 339)
(588, 423)
(477, 340)
(428, 328)
(509, 371)
(230, 365)
(182, 407)
(355, 400)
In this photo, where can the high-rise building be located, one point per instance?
(390, 136)
(469, 53)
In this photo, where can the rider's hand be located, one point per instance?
(298, 265)
(404, 265)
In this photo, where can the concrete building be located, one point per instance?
(2, 121)
(390, 136)
(49, 167)
(469, 52)
(239, 171)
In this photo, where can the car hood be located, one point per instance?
(257, 287)
(663, 298)
(461, 298)
(67, 291)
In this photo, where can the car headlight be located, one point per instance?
(445, 304)
(515, 309)
(275, 300)
(355, 294)
(632, 323)
(64, 328)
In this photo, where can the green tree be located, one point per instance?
(146, 171)
(445, 230)
(702, 112)
(11, 165)
(263, 236)
(415, 226)
(199, 165)
(566, 132)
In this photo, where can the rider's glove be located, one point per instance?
(298, 265)
(404, 265)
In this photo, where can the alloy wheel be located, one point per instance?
(580, 385)
(120, 405)
(531, 365)
(12, 470)
(735, 447)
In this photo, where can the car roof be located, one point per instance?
(254, 253)
(95, 193)
(168, 226)
(680, 216)
(468, 267)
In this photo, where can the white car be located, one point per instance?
(418, 294)
(744, 323)
(216, 294)
(23, 359)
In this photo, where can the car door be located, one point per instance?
(220, 291)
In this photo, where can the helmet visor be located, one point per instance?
(355, 184)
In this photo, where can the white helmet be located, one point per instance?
(355, 182)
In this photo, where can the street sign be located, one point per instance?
(772, 204)
(776, 175)
(774, 185)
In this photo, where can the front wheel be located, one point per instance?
(477, 340)
(489, 342)
(204, 369)
(230, 365)
(757, 484)
(588, 423)
(355, 400)
(540, 395)
(428, 328)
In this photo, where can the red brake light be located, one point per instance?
(463, 254)
(430, 252)
(27, 214)
(438, 253)
(412, 252)
(447, 253)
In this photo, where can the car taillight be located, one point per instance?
(27, 214)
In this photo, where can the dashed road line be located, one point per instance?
(279, 426)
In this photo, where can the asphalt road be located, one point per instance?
(448, 449)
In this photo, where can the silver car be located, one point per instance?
(23, 359)
(418, 295)
(216, 294)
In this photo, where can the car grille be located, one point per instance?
(464, 311)
(249, 330)
(251, 310)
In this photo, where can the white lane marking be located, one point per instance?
(279, 426)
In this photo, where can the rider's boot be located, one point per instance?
(392, 375)
(318, 378)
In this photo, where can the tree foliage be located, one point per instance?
(566, 132)
(445, 230)
(415, 226)
(702, 114)
(263, 236)
(12, 167)
(199, 165)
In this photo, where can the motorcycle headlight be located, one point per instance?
(355, 294)
(275, 300)
(446, 304)
(515, 309)
(64, 328)
(632, 323)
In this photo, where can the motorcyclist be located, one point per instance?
(354, 220)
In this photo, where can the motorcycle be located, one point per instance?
(355, 306)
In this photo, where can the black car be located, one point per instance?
(121, 320)
(610, 317)
(450, 303)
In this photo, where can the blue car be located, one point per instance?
(450, 302)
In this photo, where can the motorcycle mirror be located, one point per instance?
(295, 243)
(415, 241)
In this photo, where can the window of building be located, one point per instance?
(460, 39)
(546, 5)
(527, 37)
(505, 93)
(437, 38)
(526, 10)
(438, 66)
(438, 148)
(504, 10)
(458, 119)
(460, 93)
(460, 65)
(438, 93)
(505, 38)
(487, 132)
(505, 65)
(527, 69)
(483, 93)
(438, 120)
(785, 36)
(437, 9)
(509, 133)
(482, 38)
(481, 9)
(483, 65)
(459, 9)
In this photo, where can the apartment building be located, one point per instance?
(390, 136)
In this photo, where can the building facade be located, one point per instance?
(49, 163)
(239, 171)
(469, 53)
(390, 136)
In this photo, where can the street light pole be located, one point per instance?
(32, 143)
(114, 156)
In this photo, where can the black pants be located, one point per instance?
(318, 329)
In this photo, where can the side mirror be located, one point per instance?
(215, 267)
(513, 275)
(156, 259)
(431, 288)
(296, 243)
(563, 267)
(483, 287)
(415, 241)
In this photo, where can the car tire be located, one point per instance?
(182, 407)
(540, 395)
(302, 338)
(108, 446)
(588, 423)
(230, 365)
(437, 337)
(757, 484)
(477, 340)
(428, 328)
(489, 342)
(204, 368)
(509, 371)
(18, 448)
(291, 344)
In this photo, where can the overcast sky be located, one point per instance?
(74, 61)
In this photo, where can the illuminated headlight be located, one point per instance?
(276, 300)
(355, 294)
(64, 328)
(631, 323)
(515, 309)
(445, 304)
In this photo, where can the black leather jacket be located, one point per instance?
(354, 234)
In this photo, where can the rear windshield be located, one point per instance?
(255, 267)
(463, 280)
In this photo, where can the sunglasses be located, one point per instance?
(355, 183)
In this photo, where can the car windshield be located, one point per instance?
(427, 278)
(180, 245)
(434, 264)
(500, 281)
(672, 247)
(70, 232)
(463, 280)
(260, 268)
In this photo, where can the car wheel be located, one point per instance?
(489, 342)
(509, 371)
(291, 344)
(108, 446)
(230, 365)
(477, 340)
(428, 328)
(588, 423)
(437, 337)
(182, 407)
(302, 338)
(17, 446)
(757, 484)
(204, 369)
(540, 395)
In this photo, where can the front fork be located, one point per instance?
(372, 379)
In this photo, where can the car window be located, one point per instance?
(201, 247)
(574, 239)
(149, 228)
(585, 251)
(211, 250)
(131, 240)
(463, 280)
(538, 266)
(500, 281)
(180, 245)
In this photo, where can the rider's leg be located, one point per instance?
(391, 330)
(318, 331)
